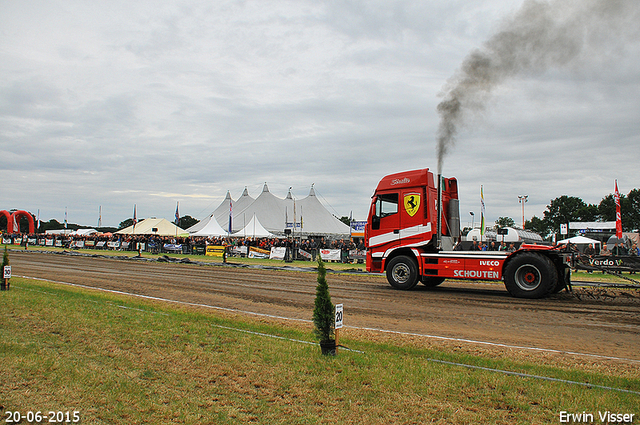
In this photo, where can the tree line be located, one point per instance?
(565, 209)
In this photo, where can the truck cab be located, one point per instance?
(403, 215)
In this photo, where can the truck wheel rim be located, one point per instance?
(528, 277)
(401, 273)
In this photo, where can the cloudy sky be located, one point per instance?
(111, 104)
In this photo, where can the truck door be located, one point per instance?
(385, 220)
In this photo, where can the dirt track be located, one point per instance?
(606, 325)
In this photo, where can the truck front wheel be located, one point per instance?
(530, 275)
(402, 272)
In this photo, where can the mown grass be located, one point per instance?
(117, 359)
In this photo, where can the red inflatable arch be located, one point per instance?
(9, 221)
(15, 218)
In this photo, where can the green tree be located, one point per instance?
(323, 312)
(187, 221)
(632, 216)
(52, 224)
(629, 210)
(126, 223)
(5, 262)
(345, 220)
(539, 226)
(565, 209)
(504, 222)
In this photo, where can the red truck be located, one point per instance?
(413, 230)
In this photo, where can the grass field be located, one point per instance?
(116, 360)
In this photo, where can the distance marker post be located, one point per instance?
(6, 275)
(338, 323)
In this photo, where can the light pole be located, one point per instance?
(473, 219)
(522, 199)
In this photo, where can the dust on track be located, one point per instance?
(605, 323)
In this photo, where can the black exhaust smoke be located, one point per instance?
(568, 34)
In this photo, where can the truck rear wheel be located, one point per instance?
(402, 272)
(530, 275)
(431, 281)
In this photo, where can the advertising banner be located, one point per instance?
(357, 228)
(258, 252)
(305, 254)
(278, 253)
(215, 251)
(240, 250)
(609, 263)
(330, 254)
(357, 254)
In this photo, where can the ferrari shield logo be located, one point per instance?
(411, 203)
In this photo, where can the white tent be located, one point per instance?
(200, 225)
(580, 240)
(154, 226)
(275, 215)
(222, 212)
(254, 229)
(210, 228)
(316, 219)
(267, 207)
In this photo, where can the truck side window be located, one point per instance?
(387, 205)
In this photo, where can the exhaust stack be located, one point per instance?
(439, 210)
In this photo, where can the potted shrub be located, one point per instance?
(323, 313)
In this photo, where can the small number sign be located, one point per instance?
(339, 316)
(7, 272)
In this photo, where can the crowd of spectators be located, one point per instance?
(185, 245)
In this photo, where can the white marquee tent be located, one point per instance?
(580, 240)
(222, 212)
(254, 229)
(210, 228)
(153, 226)
(267, 207)
(308, 215)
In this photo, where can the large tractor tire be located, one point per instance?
(564, 280)
(530, 275)
(432, 281)
(402, 272)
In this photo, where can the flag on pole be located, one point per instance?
(481, 212)
(177, 213)
(135, 219)
(616, 196)
(230, 230)
(351, 224)
(65, 217)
